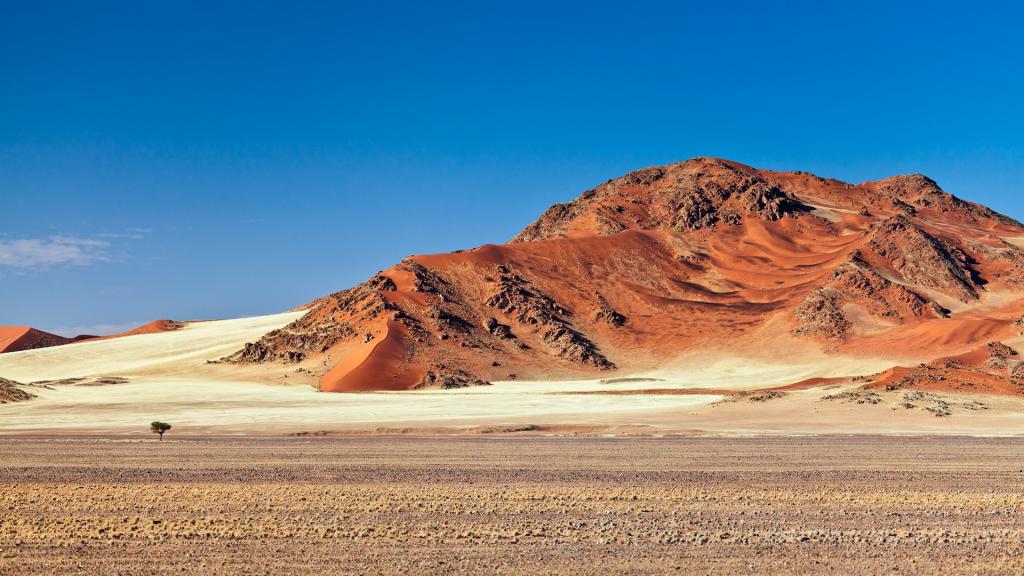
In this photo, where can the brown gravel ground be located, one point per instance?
(412, 505)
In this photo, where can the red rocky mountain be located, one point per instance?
(705, 255)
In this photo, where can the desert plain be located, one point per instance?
(717, 470)
(698, 368)
(511, 505)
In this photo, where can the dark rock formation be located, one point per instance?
(518, 299)
(920, 258)
(10, 392)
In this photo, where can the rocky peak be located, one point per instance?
(918, 191)
(692, 195)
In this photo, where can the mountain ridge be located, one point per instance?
(668, 260)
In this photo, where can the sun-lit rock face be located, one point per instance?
(702, 255)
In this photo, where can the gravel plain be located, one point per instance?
(511, 505)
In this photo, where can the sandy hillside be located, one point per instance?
(120, 385)
(671, 265)
(157, 353)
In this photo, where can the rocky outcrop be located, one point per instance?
(821, 314)
(1000, 356)
(1017, 376)
(527, 305)
(448, 377)
(692, 195)
(329, 322)
(553, 222)
(446, 321)
(503, 332)
(999, 250)
(608, 315)
(921, 258)
(10, 391)
(920, 191)
(995, 367)
(855, 283)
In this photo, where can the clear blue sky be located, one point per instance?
(210, 159)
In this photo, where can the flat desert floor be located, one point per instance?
(477, 505)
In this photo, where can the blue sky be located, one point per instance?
(215, 159)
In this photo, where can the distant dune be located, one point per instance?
(19, 338)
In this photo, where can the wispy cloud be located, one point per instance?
(43, 253)
(129, 234)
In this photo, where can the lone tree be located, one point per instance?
(159, 428)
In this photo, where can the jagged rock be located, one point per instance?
(517, 298)
(1000, 350)
(1017, 375)
(1001, 356)
(324, 326)
(923, 192)
(608, 314)
(858, 396)
(1003, 251)
(292, 343)
(499, 330)
(691, 195)
(10, 392)
(820, 314)
(447, 320)
(427, 280)
(923, 259)
(574, 346)
(447, 378)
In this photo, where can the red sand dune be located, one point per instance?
(148, 328)
(18, 338)
(705, 255)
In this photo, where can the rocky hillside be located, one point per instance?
(702, 255)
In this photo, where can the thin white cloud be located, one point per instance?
(129, 234)
(44, 253)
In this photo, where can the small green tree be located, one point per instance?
(159, 428)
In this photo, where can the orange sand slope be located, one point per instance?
(153, 327)
(700, 257)
(18, 338)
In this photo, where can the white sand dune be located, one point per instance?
(164, 353)
(169, 379)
